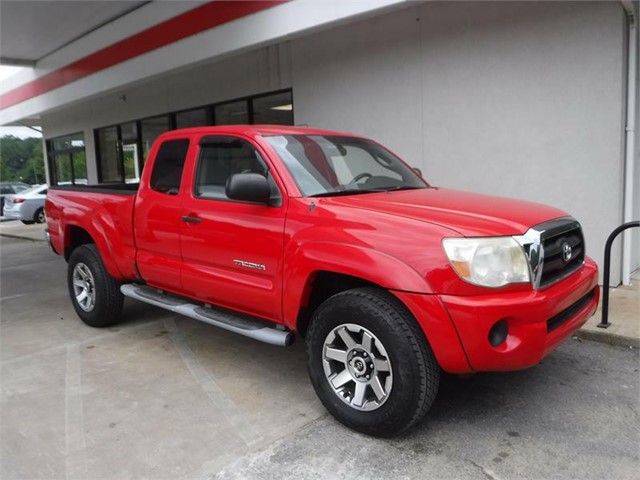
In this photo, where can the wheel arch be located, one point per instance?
(322, 269)
(76, 235)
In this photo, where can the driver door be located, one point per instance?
(232, 250)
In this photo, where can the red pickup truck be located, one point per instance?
(272, 232)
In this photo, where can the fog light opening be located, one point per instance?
(498, 333)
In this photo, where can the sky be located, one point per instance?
(21, 132)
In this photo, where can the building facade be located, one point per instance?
(518, 99)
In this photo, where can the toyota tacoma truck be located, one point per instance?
(274, 232)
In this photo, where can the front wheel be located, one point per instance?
(370, 363)
(95, 295)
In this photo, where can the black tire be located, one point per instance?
(39, 216)
(415, 371)
(28, 222)
(107, 305)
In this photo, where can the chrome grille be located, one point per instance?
(555, 250)
(556, 265)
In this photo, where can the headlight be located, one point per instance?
(488, 262)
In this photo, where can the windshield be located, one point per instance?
(337, 165)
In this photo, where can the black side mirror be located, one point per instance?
(248, 187)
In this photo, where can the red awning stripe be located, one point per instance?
(194, 21)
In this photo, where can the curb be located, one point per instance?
(19, 237)
(610, 338)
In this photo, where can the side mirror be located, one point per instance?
(248, 187)
(418, 171)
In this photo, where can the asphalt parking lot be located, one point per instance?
(159, 396)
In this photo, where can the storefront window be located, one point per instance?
(130, 153)
(122, 149)
(152, 128)
(233, 113)
(108, 155)
(273, 109)
(192, 118)
(67, 160)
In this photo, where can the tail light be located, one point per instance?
(17, 200)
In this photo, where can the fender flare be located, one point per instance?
(357, 261)
(99, 236)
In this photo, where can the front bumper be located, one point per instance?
(538, 320)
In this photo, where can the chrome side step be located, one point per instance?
(236, 323)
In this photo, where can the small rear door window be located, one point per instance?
(167, 169)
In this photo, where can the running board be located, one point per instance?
(236, 323)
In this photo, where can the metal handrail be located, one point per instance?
(604, 321)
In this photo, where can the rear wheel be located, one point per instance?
(370, 363)
(95, 295)
(39, 216)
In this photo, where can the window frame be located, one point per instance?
(274, 202)
(119, 149)
(52, 153)
(184, 163)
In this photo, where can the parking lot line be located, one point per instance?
(76, 455)
(207, 382)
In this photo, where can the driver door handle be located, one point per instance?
(190, 219)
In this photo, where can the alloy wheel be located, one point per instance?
(357, 367)
(84, 287)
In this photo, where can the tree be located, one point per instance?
(21, 159)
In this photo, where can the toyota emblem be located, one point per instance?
(566, 251)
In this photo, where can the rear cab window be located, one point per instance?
(168, 166)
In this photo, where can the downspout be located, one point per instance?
(632, 91)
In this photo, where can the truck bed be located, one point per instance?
(116, 188)
(105, 213)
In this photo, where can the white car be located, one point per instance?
(27, 206)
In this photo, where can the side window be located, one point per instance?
(221, 157)
(168, 166)
(6, 190)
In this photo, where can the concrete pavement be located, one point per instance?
(157, 396)
(16, 229)
(575, 416)
(624, 317)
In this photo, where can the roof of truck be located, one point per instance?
(264, 130)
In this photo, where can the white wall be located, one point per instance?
(521, 100)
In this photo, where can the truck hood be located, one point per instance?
(469, 214)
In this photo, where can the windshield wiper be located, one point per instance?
(401, 187)
(354, 191)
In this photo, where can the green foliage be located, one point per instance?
(21, 159)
